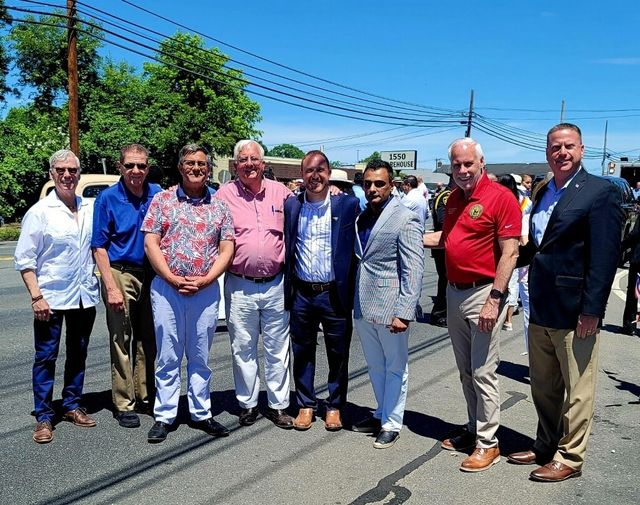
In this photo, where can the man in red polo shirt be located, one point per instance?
(480, 239)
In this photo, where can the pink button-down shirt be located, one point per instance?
(259, 226)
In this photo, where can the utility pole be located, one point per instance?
(468, 133)
(72, 65)
(562, 112)
(604, 148)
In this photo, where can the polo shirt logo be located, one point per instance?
(476, 211)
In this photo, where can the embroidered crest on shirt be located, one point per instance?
(476, 211)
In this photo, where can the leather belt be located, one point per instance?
(315, 287)
(469, 285)
(126, 267)
(257, 280)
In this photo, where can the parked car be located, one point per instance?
(631, 210)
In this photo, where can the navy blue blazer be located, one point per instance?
(344, 211)
(572, 270)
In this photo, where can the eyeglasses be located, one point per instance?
(131, 166)
(193, 163)
(253, 159)
(62, 170)
(377, 184)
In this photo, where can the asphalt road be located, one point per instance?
(263, 464)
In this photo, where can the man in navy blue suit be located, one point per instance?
(573, 251)
(319, 283)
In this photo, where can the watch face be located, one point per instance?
(494, 293)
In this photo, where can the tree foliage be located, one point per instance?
(287, 151)
(375, 155)
(5, 19)
(187, 95)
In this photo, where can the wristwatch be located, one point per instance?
(495, 294)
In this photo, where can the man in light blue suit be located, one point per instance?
(388, 282)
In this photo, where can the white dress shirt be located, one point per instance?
(416, 202)
(313, 244)
(58, 249)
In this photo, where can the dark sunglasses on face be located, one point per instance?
(377, 184)
(62, 170)
(131, 166)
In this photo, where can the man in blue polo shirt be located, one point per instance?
(118, 248)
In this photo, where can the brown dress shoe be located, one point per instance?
(481, 459)
(523, 458)
(332, 421)
(80, 418)
(554, 472)
(304, 419)
(280, 418)
(43, 434)
(466, 440)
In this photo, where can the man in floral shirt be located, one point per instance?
(189, 240)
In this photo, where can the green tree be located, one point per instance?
(40, 55)
(375, 155)
(5, 19)
(287, 151)
(191, 96)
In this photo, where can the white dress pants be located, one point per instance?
(185, 324)
(387, 356)
(252, 309)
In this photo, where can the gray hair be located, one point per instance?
(61, 155)
(192, 149)
(466, 141)
(241, 144)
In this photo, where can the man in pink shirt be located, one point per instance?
(254, 293)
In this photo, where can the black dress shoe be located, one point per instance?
(386, 439)
(280, 418)
(127, 419)
(212, 427)
(158, 432)
(368, 425)
(629, 328)
(248, 416)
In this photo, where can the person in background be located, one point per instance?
(53, 256)
(358, 191)
(414, 200)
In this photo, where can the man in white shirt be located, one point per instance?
(54, 258)
(414, 199)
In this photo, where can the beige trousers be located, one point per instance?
(477, 356)
(131, 343)
(563, 370)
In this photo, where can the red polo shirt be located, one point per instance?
(472, 228)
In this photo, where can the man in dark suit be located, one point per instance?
(573, 251)
(319, 283)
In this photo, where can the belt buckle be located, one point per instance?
(317, 287)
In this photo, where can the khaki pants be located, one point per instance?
(563, 370)
(131, 343)
(477, 357)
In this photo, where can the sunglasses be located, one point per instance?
(377, 184)
(131, 166)
(62, 170)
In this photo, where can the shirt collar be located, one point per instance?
(244, 188)
(552, 182)
(182, 196)
(314, 204)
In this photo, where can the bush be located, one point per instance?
(9, 232)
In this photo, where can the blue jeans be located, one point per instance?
(47, 336)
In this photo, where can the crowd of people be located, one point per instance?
(314, 257)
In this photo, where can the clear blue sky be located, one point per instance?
(513, 54)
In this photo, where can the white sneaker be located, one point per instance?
(507, 327)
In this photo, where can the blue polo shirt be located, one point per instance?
(117, 218)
